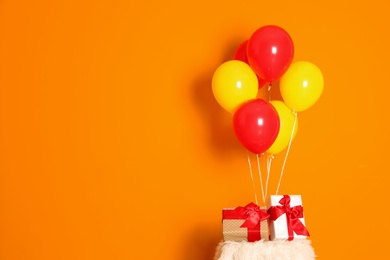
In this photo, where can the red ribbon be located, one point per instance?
(292, 215)
(253, 215)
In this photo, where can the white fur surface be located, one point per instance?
(265, 250)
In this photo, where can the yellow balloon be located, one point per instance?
(286, 118)
(233, 83)
(302, 85)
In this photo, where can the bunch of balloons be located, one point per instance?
(267, 56)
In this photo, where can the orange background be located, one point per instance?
(113, 147)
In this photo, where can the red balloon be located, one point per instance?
(240, 54)
(256, 125)
(270, 52)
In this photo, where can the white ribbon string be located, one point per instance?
(288, 150)
(260, 177)
(269, 162)
(253, 182)
(269, 91)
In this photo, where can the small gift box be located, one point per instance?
(249, 223)
(286, 218)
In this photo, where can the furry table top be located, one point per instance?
(265, 250)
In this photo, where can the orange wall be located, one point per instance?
(113, 147)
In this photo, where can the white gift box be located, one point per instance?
(287, 221)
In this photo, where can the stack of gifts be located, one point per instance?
(277, 231)
(282, 220)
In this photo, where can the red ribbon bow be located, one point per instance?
(253, 215)
(292, 215)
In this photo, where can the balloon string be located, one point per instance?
(269, 91)
(288, 150)
(269, 162)
(260, 177)
(253, 182)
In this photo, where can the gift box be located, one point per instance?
(249, 223)
(286, 218)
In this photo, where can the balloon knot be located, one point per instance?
(294, 112)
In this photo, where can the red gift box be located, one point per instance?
(249, 223)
